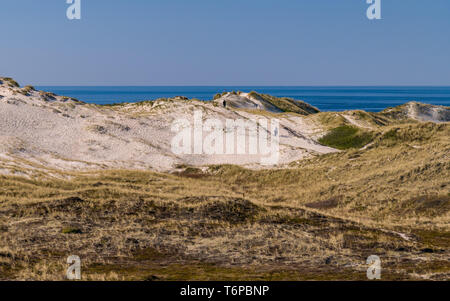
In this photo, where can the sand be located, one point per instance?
(41, 131)
(38, 131)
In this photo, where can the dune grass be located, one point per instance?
(319, 219)
(286, 104)
(346, 137)
(11, 82)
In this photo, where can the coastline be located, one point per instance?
(373, 99)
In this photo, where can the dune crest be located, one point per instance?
(44, 131)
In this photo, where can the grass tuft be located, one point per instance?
(71, 230)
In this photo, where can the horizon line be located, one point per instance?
(306, 86)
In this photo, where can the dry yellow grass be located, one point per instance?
(318, 219)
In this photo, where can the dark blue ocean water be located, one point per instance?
(324, 98)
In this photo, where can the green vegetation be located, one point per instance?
(345, 137)
(47, 95)
(65, 98)
(314, 220)
(29, 88)
(196, 271)
(373, 119)
(71, 230)
(286, 104)
(319, 219)
(26, 90)
(11, 82)
(418, 133)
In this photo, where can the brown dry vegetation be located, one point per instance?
(319, 219)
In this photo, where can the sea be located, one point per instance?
(341, 98)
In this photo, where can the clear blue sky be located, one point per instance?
(226, 42)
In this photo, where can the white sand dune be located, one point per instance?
(421, 112)
(42, 131)
(45, 131)
(425, 112)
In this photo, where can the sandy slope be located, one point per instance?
(42, 131)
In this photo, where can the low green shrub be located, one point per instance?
(346, 137)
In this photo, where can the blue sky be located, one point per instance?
(226, 42)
